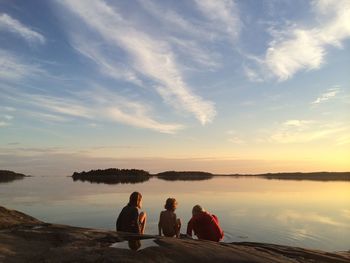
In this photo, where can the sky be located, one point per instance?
(224, 86)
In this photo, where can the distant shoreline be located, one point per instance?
(316, 176)
(126, 176)
(114, 175)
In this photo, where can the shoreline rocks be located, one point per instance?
(26, 239)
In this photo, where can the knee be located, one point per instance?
(178, 221)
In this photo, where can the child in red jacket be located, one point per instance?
(204, 225)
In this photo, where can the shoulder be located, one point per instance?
(125, 208)
(131, 209)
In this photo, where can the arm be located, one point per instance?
(177, 225)
(135, 224)
(190, 227)
(221, 233)
(159, 224)
(118, 223)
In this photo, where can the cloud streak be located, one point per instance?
(13, 68)
(151, 57)
(332, 92)
(97, 105)
(7, 23)
(223, 14)
(107, 66)
(302, 131)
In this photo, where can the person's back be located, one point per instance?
(168, 223)
(205, 226)
(128, 220)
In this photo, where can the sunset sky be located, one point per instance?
(245, 86)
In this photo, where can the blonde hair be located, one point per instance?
(197, 209)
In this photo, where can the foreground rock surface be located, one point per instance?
(26, 239)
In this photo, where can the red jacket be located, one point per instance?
(205, 226)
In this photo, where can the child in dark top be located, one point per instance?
(168, 223)
(129, 219)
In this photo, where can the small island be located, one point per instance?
(184, 176)
(133, 176)
(113, 176)
(9, 176)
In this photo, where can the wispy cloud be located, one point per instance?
(234, 137)
(14, 68)
(7, 23)
(252, 75)
(302, 131)
(149, 56)
(343, 139)
(186, 35)
(301, 47)
(175, 22)
(8, 117)
(330, 93)
(4, 124)
(94, 105)
(301, 124)
(107, 66)
(224, 14)
(203, 58)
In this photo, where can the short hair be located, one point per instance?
(135, 199)
(170, 204)
(197, 209)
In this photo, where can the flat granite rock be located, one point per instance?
(26, 239)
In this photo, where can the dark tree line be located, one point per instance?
(316, 176)
(113, 176)
(122, 176)
(9, 176)
(184, 176)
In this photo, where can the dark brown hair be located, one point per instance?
(170, 204)
(135, 199)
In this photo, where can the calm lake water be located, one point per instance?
(299, 213)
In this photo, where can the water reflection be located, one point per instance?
(115, 180)
(135, 244)
(316, 176)
(8, 179)
(298, 213)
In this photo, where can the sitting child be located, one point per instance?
(168, 223)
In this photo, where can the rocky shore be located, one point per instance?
(26, 239)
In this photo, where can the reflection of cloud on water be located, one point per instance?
(238, 212)
(288, 216)
(300, 234)
(26, 199)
